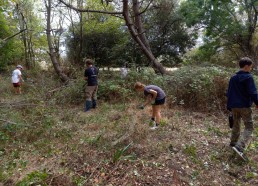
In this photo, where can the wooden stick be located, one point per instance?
(129, 133)
(8, 121)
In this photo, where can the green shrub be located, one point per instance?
(6, 86)
(199, 88)
(72, 93)
(114, 91)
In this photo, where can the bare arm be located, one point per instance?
(20, 78)
(150, 97)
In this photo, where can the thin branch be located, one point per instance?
(146, 8)
(13, 35)
(8, 121)
(93, 172)
(19, 105)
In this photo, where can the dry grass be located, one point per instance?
(77, 148)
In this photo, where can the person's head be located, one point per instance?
(125, 65)
(88, 62)
(246, 64)
(139, 86)
(19, 67)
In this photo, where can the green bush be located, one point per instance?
(72, 93)
(114, 88)
(6, 86)
(199, 88)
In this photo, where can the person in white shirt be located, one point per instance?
(124, 71)
(17, 79)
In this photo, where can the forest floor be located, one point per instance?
(48, 144)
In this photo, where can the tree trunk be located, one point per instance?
(80, 4)
(138, 34)
(52, 52)
(23, 26)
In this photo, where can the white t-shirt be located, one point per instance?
(15, 76)
(124, 72)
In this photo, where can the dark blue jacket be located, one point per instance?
(92, 74)
(241, 91)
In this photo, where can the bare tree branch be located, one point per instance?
(52, 52)
(146, 8)
(10, 37)
(138, 34)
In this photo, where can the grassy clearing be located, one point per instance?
(47, 140)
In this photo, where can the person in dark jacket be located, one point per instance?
(241, 94)
(91, 76)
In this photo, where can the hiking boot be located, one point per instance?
(232, 144)
(94, 103)
(239, 152)
(87, 106)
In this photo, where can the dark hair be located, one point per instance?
(88, 61)
(245, 61)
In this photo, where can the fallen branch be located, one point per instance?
(54, 178)
(129, 133)
(86, 181)
(18, 105)
(56, 89)
(13, 123)
(8, 121)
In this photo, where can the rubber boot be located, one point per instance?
(94, 103)
(87, 105)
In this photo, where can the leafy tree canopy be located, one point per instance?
(167, 33)
(9, 49)
(227, 25)
(101, 36)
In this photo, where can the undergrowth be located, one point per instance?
(45, 139)
(198, 88)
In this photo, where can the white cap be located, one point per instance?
(19, 66)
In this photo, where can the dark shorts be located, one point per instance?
(160, 101)
(16, 84)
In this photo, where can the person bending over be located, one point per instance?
(154, 95)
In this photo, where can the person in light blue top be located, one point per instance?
(154, 95)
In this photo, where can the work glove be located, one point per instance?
(141, 107)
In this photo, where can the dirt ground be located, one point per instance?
(43, 143)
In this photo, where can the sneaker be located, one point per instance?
(239, 152)
(155, 126)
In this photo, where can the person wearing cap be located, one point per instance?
(17, 79)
